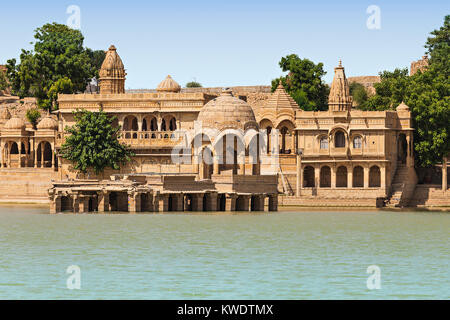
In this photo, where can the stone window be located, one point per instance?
(357, 142)
(324, 143)
(339, 140)
(325, 177)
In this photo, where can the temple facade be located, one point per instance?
(199, 151)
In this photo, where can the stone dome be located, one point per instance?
(226, 111)
(402, 107)
(15, 123)
(4, 114)
(48, 123)
(168, 85)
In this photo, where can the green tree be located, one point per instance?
(390, 92)
(33, 116)
(358, 92)
(193, 84)
(427, 94)
(58, 53)
(304, 82)
(3, 81)
(93, 144)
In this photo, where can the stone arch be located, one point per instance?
(130, 126)
(13, 148)
(286, 133)
(66, 203)
(169, 123)
(309, 177)
(358, 177)
(44, 154)
(325, 177)
(149, 123)
(402, 147)
(374, 177)
(341, 177)
(266, 125)
(207, 162)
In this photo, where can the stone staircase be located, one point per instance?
(402, 187)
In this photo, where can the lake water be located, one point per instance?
(284, 255)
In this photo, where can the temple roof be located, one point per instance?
(112, 65)
(339, 98)
(168, 85)
(280, 99)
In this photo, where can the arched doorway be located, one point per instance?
(325, 177)
(341, 177)
(358, 177)
(286, 130)
(402, 147)
(130, 126)
(374, 177)
(229, 148)
(44, 154)
(308, 177)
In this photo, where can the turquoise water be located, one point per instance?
(284, 255)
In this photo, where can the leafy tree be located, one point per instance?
(193, 84)
(33, 116)
(304, 82)
(3, 81)
(390, 92)
(358, 92)
(93, 144)
(58, 53)
(427, 94)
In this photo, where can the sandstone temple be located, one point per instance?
(219, 150)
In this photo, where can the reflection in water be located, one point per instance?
(284, 255)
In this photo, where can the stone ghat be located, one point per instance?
(164, 193)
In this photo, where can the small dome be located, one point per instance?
(48, 123)
(4, 114)
(402, 107)
(168, 85)
(226, 111)
(15, 123)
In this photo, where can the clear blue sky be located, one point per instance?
(226, 43)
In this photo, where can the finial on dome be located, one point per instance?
(226, 92)
(340, 63)
(112, 48)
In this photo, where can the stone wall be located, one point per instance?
(430, 196)
(25, 184)
(420, 64)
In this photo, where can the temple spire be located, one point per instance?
(340, 99)
(112, 73)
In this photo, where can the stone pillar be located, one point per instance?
(230, 202)
(162, 203)
(299, 175)
(197, 202)
(134, 202)
(242, 203)
(259, 203)
(408, 150)
(366, 176)
(216, 165)
(35, 156)
(53, 157)
(242, 165)
(19, 145)
(42, 154)
(103, 201)
(444, 174)
(333, 176)
(273, 202)
(349, 177)
(180, 202)
(83, 204)
(211, 201)
(1, 155)
(76, 203)
(150, 202)
(317, 176)
(55, 205)
(383, 177)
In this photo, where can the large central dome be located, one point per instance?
(227, 112)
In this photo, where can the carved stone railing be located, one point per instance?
(150, 138)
